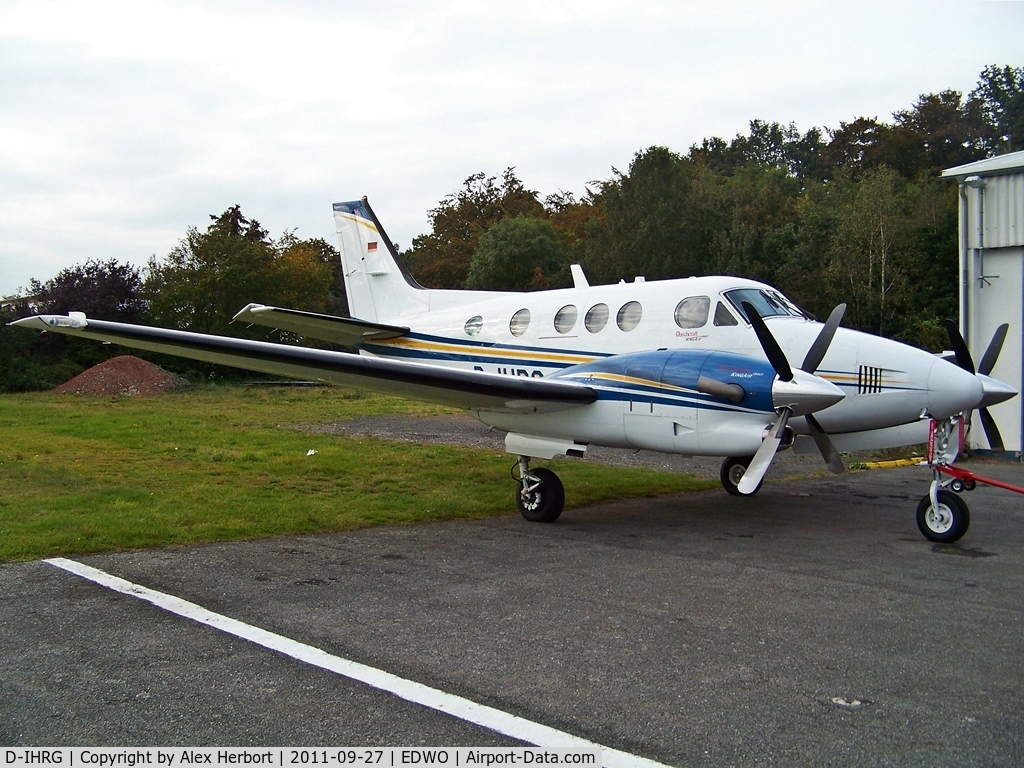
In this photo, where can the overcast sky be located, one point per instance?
(124, 122)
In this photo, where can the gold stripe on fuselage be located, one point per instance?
(618, 377)
(503, 353)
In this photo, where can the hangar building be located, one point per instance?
(992, 280)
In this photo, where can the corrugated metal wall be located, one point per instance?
(1003, 200)
(994, 264)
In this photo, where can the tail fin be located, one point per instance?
(378, 284)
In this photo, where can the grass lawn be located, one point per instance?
(86, 474)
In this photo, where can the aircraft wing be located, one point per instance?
(340, 330)
(447, 386)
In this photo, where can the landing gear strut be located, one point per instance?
(942, 516)
(540, 495)
(732, 472)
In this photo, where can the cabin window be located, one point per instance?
(520, 322)
(724, 317)
(629, 315)
(693, 312)
(565, 319)
(597, 318)
(474, 325)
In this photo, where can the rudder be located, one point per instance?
(378, 284)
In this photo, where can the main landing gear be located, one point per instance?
(540, 495)
(732, 472)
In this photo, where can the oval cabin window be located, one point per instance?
(520, 322)
(597, 318)
(565, 319)
(629, 315)
(474, 325)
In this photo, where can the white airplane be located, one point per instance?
(696, 366)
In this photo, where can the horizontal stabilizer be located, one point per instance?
(338, 330)
(448, 386)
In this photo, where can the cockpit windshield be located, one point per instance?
(768, 303)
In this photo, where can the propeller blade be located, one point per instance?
(825, 447)
(763, 458)
(771, 347)
(820, 346)
(956, 341)
(988, 360)
(995, 440)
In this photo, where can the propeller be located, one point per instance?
(988, 360)
(811, 402)
(820, 346)
(771, 347)
(992, 394)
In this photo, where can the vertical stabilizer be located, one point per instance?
(377, 282)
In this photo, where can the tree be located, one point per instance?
(233, 224)
(1001, 93)
(301, 271)
(769, 146)
(939, 131)
(756, 230)
(209, 276)
(872, 256)
(570, 217)
(31, 361)
(657, 220)
(106, 290)
(517, 254)
(852, 145)
(441, 259)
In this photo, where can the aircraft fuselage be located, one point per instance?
(560, 333)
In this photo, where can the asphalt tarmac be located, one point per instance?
(809, 625)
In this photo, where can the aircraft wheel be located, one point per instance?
(540, 496)
(960, 486)
(732, 472)
(945, 523)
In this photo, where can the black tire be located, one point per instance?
(545, 502)
(731, 473)
(946, 523)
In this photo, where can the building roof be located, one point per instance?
(1011, 162)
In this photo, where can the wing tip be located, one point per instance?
(73, 320)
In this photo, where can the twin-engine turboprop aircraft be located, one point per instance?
(697, 366)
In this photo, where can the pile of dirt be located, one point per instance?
(124, 375)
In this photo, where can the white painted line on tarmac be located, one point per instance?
(456, 706)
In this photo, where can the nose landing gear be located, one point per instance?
(944, 519)
(942, 515)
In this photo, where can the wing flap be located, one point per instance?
(447, 386)
(339, 330)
